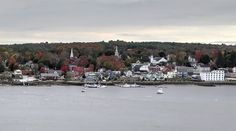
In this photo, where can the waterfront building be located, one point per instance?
(144, 68)
(92, 77)
(216, 75)
(17, 74)
(234, 70)
(183, 71)
(203, 68)
(170, 74)
(49, 76)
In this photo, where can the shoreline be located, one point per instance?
(112, 83)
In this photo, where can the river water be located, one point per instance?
(65, 108)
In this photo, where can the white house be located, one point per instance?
(171, 74)
(202, 68)
(216, 75)
(192, 61)
(157, 60)
(234, 70)
(17, 72)
(144, 68)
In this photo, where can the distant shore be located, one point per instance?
(112, 83)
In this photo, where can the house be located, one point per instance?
(192, 61)
(136, 66)
(154, 69)
(170, 74)
(128, 73)
(216, 75)
(234, 69)
(91, 77)
(157, 60)
(144, 68)
(202, 68)
(17, 74)
(153, 76)
(183, 71)
(49, 76)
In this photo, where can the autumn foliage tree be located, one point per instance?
(198, 55)
(110, 62)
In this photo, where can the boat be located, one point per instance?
(130, 85)
(83, 90)
(91, 85)
(101, 86)
(160, 91)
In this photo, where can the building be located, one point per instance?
(234, 70)
(157, 60)
(170, 74)
(117, 53)
(71, 53)
(49, 76)
(203, 68)
(192, 61)
(183, 71)
(216, 75)
(91, 77)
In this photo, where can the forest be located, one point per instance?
(101, 54)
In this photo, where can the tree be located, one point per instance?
(109, 53)
(110, 62)
(205, 59)
(198, 55)
(181, 58)
(162, 54)
(220, 62)
(2, 68)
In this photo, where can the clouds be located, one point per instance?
(112, 16)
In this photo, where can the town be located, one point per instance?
(111, 68)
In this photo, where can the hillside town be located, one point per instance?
(157, 69)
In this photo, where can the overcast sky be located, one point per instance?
(131, 20)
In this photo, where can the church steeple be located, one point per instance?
(71, 53)
(117, 52)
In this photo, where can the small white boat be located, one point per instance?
(102, 86)
(84, 89)
(160, 91)
(91, 85)
(130, 85)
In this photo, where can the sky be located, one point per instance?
(207, 21)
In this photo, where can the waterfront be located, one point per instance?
(65, 108)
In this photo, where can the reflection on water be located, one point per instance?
(65, 108)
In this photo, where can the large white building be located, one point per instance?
(216, 75)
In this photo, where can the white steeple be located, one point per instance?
(117, 53)
(71, 53)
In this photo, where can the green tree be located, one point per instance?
(2, 68)
(205, 59)
(220, 62)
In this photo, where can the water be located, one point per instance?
(65, 108)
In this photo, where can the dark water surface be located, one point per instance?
(65, 108)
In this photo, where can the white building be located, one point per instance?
(144, 68)
(117, 53)
(71, 53)
(216, 75)
(234, 70)
(171, 74)
(157, 60)
(201, 68)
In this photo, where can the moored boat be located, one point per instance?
(160, 91)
